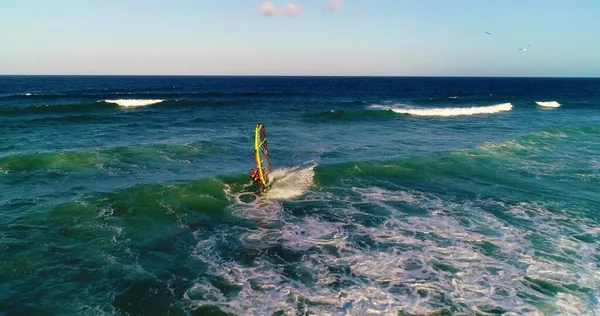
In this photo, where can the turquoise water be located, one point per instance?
(410, 196)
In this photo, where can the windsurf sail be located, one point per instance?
(261, 151)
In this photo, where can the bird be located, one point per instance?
(488, 33)
(524, 48)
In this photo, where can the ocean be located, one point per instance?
(131, 195)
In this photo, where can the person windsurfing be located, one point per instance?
(261, 158)
(255, 177)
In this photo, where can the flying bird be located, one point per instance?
(524, 48)
(488, 33)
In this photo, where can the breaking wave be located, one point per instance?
(290, 183)
(446, 112)
(287, 184)
(549, 104)
(130, 103)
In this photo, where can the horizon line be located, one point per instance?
(280, 76)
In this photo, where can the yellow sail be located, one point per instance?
(261, 152)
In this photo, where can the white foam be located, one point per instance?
(290, 183)
(133, 102)
(379, 194)
(506, 147)
(447, 112)
(549, 104)
(464, 257)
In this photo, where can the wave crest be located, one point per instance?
(447, 112)
(134, 102)
(549, 104)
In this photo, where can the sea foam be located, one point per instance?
(447, 112)
(549, 104)
(133, 102)
(458, 251)
(290, 183)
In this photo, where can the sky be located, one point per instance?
(301, 37)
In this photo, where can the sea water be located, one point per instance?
(409, 196)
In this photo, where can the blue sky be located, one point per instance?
(301, 37)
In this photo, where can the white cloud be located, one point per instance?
(334, 5)
(293, 10)
(267, 9)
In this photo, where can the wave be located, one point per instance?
(52, 109)
(353, 102)
(202, 103)
(447, 112)
(104, 159)
(49, 96)
(76, 118)
(347, 115)
(290, 183)
(549, 104)
(105, 105)
(287, 184)
(8, 96)
(528, 158)
(130, 103)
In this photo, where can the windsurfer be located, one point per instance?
(255, 176)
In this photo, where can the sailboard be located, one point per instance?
(261, 152)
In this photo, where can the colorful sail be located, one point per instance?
(261, 150)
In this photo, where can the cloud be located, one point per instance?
(293, 10)
(334, 5)
(267, 9)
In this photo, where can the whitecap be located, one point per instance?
(549, 104)
(134, 102)
(447, 112)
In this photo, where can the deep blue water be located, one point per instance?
(131, 195)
